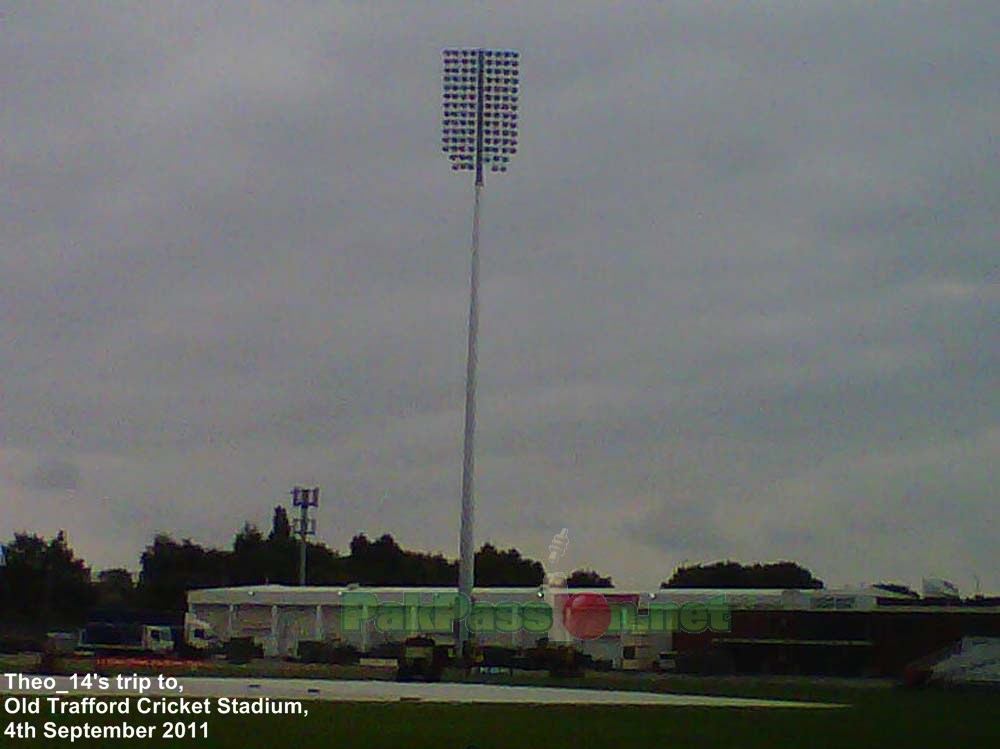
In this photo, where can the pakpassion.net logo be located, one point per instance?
(585, 616)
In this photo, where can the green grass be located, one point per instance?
(877, 717)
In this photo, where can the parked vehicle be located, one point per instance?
(105, 638)
(199, 637)
(422, 660)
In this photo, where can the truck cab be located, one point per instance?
(199, 635)
(157, 639)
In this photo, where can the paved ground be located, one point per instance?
(389, 691)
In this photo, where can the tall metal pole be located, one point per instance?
(303, 527)
(467, 561)
(304, 499)
(467, 549)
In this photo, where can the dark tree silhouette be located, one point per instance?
(115, 588)
(326, 566)
(43, 584)
(588, 579)
(730, 574)
(498, 568)
(170, 569)
(281, 528)
(282, 550)
(380, 562)
(250, 562)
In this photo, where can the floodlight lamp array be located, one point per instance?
(480, 107)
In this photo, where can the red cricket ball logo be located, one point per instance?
(586, 616)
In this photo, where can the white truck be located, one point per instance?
(199, 635)
(111, 637)
(107, 638)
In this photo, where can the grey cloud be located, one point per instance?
(740, 242)
(53, 475)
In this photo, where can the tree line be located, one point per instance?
(731, 574)
(44, 585)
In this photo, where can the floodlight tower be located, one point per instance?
(480, 128)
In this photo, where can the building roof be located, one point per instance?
(740, 599)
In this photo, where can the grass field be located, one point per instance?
(877, 717)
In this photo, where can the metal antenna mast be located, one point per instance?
(304, 525)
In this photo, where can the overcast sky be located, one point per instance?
(739, 287)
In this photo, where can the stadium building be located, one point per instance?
(846, 632)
